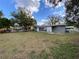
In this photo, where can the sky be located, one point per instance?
(40, 9)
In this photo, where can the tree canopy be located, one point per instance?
(54, 2)
(1, 14)
(4, 23)
(24, 19)
(72, 10)
(54, 20)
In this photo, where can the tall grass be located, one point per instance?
(63, 51)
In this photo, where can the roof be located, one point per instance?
(49, 25)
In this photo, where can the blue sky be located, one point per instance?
(7, 6)
(40, 9)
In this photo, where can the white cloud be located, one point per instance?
(42, 22)
(31, 5)
(60, 13)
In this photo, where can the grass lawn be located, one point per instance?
(20, 45)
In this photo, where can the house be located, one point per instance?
(59, 28)
(54, 28)
(71, 29)
(40, 28)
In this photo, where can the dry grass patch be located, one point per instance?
(18, 45)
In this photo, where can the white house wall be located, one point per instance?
(37, 29)
(49, 29)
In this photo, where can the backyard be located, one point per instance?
(39, 29)
(39, 45)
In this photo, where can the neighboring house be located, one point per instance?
(16, 26)
(57, 29)
(71, 29)
(40, 28)
(76, 29)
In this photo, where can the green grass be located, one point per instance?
(20, 45)
(63, 51)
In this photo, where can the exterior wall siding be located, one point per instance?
(49, 29)
(56, 29)
(37, 29)
(59, 29)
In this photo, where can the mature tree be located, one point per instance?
(72, 12)
(13, 21)
(1, 14)
(4, 23)
(24, 18)
(54, 2)
(53, 20)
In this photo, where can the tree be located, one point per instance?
(53, 20)
(1, 14)
(4, 23)
(69, 22)
(24, 19)
(13, 21)
(54, 2)
(72, 10)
